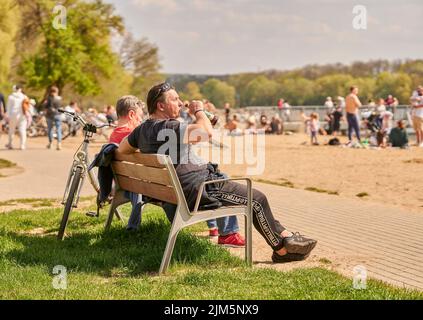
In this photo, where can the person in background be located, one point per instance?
(352, 105)
(129, 116)
(341, 102)
(111, 115)
(314, 128)
(337, 116)
(287, 111)
(2, 111)
(52, 105)
(232, 125)
(398, 136)
(227, 112)
(16, 117)
(329, 105)
(73, 126)
(276, 125)
(417, 114)
(389, 101)
(394, 106)
(280, 107)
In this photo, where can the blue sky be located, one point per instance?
(228, 36)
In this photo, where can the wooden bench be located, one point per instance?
(154, 176)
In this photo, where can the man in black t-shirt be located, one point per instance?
(163, 134)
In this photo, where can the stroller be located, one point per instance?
(373, 127)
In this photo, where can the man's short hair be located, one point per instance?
(126, 104)
(156, 95)
(352, 88)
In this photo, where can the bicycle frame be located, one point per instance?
(81, 160)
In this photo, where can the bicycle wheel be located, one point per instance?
(68, 206)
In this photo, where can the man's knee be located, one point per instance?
(259, 196)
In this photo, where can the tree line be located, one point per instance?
(309, 85)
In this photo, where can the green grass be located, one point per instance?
(6, 164)
(314, 189)
(122, 265)
(280, 182)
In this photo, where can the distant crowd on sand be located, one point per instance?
(342, 115)
(375, 119)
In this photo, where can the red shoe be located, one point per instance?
(233, 240)
(213, 233)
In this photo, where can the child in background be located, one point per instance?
(314, 128)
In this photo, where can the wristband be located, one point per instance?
(198, 111)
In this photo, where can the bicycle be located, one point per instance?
(79, 171)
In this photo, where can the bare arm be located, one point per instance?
(202, 130)
(125, 147)
(357, 102)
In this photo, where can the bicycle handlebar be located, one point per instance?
(77, 117)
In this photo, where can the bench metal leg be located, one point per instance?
(118, 215)
(118, 199)
(110, 216)
(177, 225)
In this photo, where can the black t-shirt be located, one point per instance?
(337, 115)
(166, 137)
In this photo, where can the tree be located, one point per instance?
(397, 84)
(332, 86)
(262, 92)
(298, 91)
(218, 92)
(191, 91)
(141, 59)
(79, 55)
(9, 15)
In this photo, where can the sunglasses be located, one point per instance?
(162, 89)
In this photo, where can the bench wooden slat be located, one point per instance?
(153, 190)
(149, 160)
(151, 174)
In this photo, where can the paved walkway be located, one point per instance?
(386, 240)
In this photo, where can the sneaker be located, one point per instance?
(9, 146)
(213, 233)
(49, 146)
(233, 240)
(299, 244)
(59, 146)
(289, 257)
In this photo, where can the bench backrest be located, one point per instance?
(147, 174)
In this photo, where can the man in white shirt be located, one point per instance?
(16, 116)
(417, 114)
